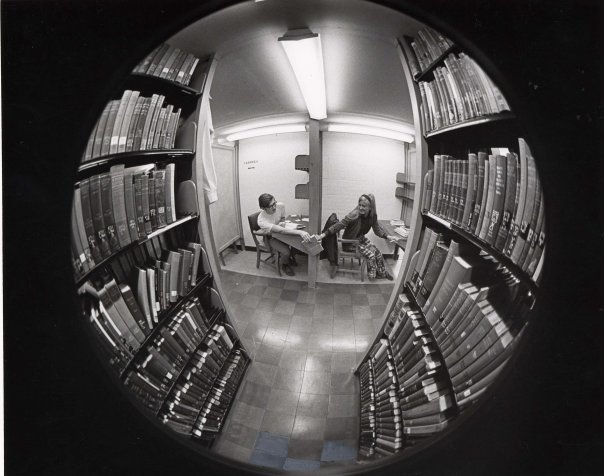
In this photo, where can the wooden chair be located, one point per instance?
(348, 250)
(263, 246)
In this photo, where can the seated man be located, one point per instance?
(269, 220)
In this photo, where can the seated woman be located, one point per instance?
(356, 224)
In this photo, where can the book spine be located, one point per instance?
(487, 199)
(511, 198)
(436, 190)
(145, 204)
(119, 205)
(126, 123)
(98, 134)
(108, 216)
(527, 213)
(498, 199)
(84, 229)
(119, 119)
(156, 57)
(96, 208)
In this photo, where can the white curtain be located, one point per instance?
(209, 181)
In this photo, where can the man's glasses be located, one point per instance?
(272, 205)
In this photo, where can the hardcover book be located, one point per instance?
(88, 221)
(118, 201)
(129, 199)
(108, 216)
(436, 191)
(512, 192)
(519, 210)
(119, 119)
(82, 228)
(482, 187)
(460, 271)
(488, 199)
(529, 206)
(498, 199)
(432, 273)
(96, 208)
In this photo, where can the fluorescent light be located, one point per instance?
(372, 131)
(372, 121)
(265, 131)
(303, 50)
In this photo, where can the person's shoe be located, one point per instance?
(333, 269)
(288, 270)
(388, 276)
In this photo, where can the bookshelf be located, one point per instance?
(471, 270)
(142, 257)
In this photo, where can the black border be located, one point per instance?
(62, 415)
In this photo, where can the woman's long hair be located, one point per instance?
(371, 199)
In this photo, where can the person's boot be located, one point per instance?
(333, 269)
(288, 270)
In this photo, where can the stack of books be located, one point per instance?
(168, 62)
(497, 198)
(368, 421)
(113, 209)
(133, 123)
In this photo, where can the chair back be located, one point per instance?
(253, 221)
(348, 247)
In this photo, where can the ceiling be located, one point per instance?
(253, 79)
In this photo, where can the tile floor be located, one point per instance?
(245, 262)
(298, 405)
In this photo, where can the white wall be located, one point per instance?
(354, 164)
(266, 164)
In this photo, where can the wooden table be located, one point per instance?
(295, 241)
(400, 242)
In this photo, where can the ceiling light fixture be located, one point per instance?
(372, 131)
(303, 50)
(265, 131)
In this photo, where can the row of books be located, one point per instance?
(195, 383)
(388, 425)
(460, 91)
(133, 123)
(445, 341)
(423, 393)
(169, 62)
(428, 46)
(216, 405)
(367, 401)
(160, 285)
(474, 307)
(118, 319)
(113, 209)
(495, 197)
(157, 369)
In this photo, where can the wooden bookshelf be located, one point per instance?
(493, 130)
(192, 227)
(213, 320)
(477, 121)
(102, 264)
(207, 437)
(133, 159)
(498, 255)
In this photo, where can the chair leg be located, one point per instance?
(278, 263)
(363, 264)
(257, 259)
